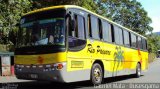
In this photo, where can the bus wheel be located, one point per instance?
(96, 74)
(138, 70)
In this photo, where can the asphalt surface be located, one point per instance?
(151, 76)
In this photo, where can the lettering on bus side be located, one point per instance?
(90, 49)
(99, 50)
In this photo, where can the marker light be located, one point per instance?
(59, 66)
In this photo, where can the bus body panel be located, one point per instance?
(52, 75)
(117, 59)
(40, 58)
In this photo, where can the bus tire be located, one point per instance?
(138, 70)
(96, 74)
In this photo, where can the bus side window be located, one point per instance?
(126, 38)
(106, 31)
(144, 44)
(77, 41)
(133, 41)
(94, 27)
(118, 34)
(121, 42)
(140, 43)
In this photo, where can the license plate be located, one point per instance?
(34, 76)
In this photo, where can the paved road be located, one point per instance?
(151, 76)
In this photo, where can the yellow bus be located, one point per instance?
(68, 43)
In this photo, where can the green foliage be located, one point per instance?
(10, 14)
(89, 4)
(153, 43)
(128, 13)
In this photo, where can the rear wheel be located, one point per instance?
(138, 70)
(96, 74)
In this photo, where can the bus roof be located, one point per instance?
(78, 7)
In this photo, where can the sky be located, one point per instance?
(153, 9)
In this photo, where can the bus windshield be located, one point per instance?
(42, 30)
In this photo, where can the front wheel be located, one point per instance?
(138, 70)
(96, 74)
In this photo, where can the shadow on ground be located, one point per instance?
(54, 85)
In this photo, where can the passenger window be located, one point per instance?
(77, 39)
(94, 27)
(133, 41)
(81, 27)
(118, 35)
(126, 38)
(107, 31)
(144, 43)
(140, 43)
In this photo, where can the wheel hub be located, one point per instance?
(97, 74)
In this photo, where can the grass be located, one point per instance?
(151, 57)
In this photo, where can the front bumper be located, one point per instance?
(41, 73)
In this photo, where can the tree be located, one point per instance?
(153, 43)
(128, 13)
(89, 4)
(10, 14)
